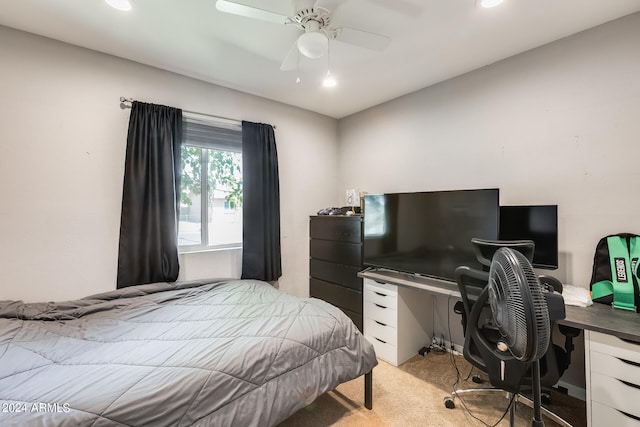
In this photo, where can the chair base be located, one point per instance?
(449, 402)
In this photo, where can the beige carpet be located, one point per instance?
(413, 395)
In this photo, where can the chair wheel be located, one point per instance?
(546, 399)
(477, 379)
(449, 403)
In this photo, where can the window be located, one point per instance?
(377, 225)
(211, 186)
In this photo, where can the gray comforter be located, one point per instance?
(221, 353)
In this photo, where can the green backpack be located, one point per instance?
(615, 271)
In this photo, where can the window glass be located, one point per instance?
(211, 188)
(225, 198)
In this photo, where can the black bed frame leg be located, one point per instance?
(368, 390)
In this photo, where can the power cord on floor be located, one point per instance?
(459, 377)
(504, 414)
(452, 357)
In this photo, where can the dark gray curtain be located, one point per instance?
(148, 250)
(261, 203)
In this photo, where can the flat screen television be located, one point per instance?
(428, 233)
(533, 222)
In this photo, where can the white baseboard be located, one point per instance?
(574, 391)
(457, 349)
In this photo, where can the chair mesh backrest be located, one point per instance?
(486, 249)
(470, 284)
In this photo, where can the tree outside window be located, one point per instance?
(210, 198)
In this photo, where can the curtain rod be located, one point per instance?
(130, 101)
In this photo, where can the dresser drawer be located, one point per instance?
(345, 275)
(342, 229)
(384, 351)
(605, 416)
(385, 315)
(337, 295)
(615, 367)
(381, 331)
(340, 252)
(356, 318)
(615, 393)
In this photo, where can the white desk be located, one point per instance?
(435, 286)
(612, 348)
(398, 312)
(612, 363)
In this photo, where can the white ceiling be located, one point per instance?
(431, 41)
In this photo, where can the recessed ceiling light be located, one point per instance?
(490, 3)
(329, 81)
(119, 4)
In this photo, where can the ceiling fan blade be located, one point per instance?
(403, 7)
(361, 38)
(291, 60)
(330, 5)
(250, 12)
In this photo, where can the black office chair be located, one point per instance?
(482, 337)
(557, 359)
(485, 249)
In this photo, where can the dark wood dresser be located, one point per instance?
(335, 260)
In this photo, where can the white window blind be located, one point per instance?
(211, 134)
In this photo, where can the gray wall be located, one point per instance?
(559, 124)
(63, 138)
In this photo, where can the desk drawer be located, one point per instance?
(375, 296)
(608, 344)
(384, 351)
(382, 314)
(384, 288)
(615, 367)
(615, 394)
(381, 331)
(605, 416)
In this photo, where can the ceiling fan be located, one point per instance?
(314, 18)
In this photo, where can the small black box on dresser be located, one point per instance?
(335, 249)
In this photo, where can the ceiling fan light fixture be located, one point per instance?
(490, 3)
(119, 4)
(313, 44)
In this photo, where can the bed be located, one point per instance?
(221, 352)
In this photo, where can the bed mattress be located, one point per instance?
(222, 352)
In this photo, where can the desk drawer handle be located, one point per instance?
(381, 294)
(383, 342)
(628, 415)
(628, 362)
(629, 341)
(629, 384)
(378, 305)
(380, 323)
